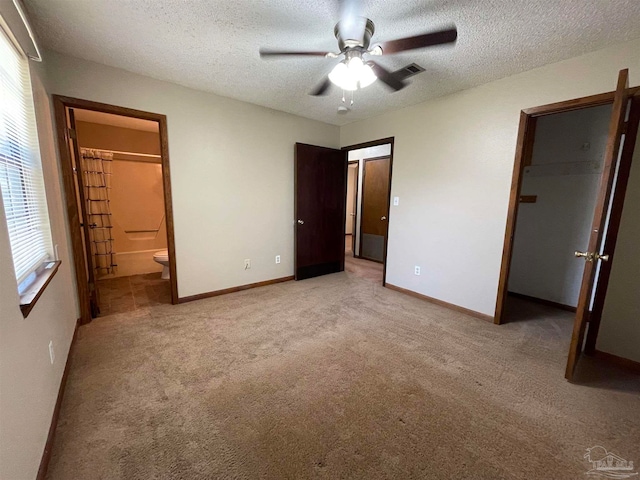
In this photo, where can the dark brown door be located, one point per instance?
(375, 208)
(593, 255)
(82, 207)
(320, 191)
(615, 218)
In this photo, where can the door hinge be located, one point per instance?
(71, 133)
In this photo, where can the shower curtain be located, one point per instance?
(96, 176)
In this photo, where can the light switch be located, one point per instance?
(396, 201)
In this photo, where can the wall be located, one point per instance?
(137, 203)
(620, 325)
(137, 196)
(359, 155)
(352, 187)
(28, 381)
(109, 137)
(564, 175)
(452, 166)
(231, 171)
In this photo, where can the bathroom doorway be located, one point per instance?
(117, 185)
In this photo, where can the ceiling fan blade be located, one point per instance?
(441, 37)
(322, 88)
(265, 52)
(387, 77)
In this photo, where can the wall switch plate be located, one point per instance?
(52, 355)
(247, 263)
(396, 201)
(416, 270)
(277, 258)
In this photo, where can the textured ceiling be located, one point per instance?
(212, 45)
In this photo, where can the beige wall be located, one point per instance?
(231, 171)
(452, 166)
(620, 326)
(137, 203)
(137, 207)
(94, 135)
(28, 381)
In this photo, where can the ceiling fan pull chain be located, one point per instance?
(351, 104)
(343, 99)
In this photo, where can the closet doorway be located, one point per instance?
(589, 230)
(116, 174)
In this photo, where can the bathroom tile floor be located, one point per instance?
(125, 294)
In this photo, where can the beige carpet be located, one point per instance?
(362, 268)
(333, 377)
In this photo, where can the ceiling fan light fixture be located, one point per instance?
(352, 74)
(341, 77)
(367, 77)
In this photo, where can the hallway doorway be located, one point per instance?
(367, 207)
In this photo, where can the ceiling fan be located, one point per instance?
(354, 33)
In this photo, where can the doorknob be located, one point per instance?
(301, 222)
(383, 218)
(588, 256)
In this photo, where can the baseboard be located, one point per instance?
(381, 262)
(549, 303)
(450, 306)
(625, 363)
(216, 293)
(48, 446)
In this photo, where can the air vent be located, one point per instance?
(409, 71)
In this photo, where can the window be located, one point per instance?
(21, 181)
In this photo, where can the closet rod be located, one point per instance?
(150, 155)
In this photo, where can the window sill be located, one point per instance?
(32, 295)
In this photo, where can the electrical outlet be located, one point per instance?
(247, 263)
(396, 201)
(52, 355)
(277, 258)
(416, 270)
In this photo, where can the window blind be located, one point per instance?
(21, 181)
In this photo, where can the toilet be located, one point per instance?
(162, 257)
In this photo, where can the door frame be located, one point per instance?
(61, 103)
(524, 151)
(364, 176)
(355, 214)
(375, 143)
(94, 301)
